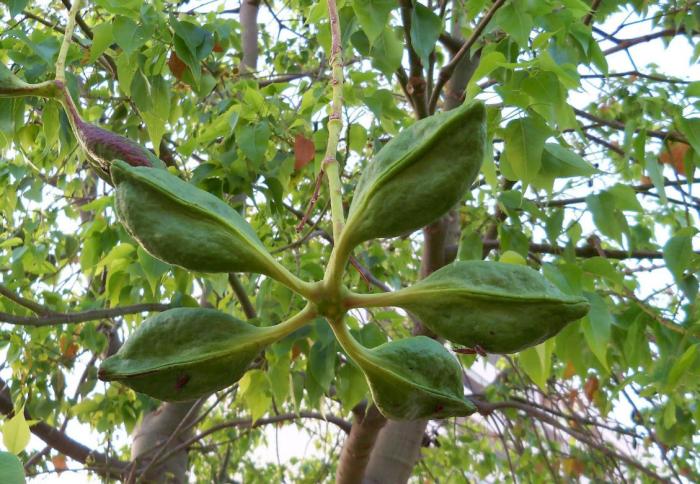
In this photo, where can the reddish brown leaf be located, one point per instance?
(304, 151)
(59, 462)
(590, 388)
(673, 154)
(177, 67)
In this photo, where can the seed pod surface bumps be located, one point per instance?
(419, 175)
(503, 308)
(415, 378)
(183, 225)
(185, 353)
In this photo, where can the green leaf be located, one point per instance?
(537, 363)
(609, 220)
(11, 469)
(515, 22)
(524, 139)
(678, 253)
(471, 246)
(141, 91)
(321, 365)
(680, 367)
(253, 140)
(425, 30)
(102, 38)
(254, 389)
(279, 377)
(387, 52)
(559, 162)
(15, 432)
(373, 16)
(152, 268)
(487, 64)
(597, 328)
(690, 127)
(351, 386)
(625, 198)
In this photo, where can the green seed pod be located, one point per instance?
(185, 353)
(103, 147)
(183, 225)
(414, 378)
(503, 308)
(419, 175)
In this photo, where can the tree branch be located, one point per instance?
(585, 251)
(27, 303)
(81, 317)
(242, 296)
(448, 69)
(664, 135)
(627, 43)
(416, 82)
(485, 408)
(99, 463)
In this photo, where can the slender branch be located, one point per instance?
(627, 43)
(585, 251)
(242, 296)
(637, 188)
(99, 463)
(27, 303)
(344, 425)
(79, 20)
(70, 26)
(485, 408)
(449, 68)
(81, 317)
(589, 16)
(664, 135)
(416, 82)
(651, 77)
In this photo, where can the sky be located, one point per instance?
(287, 442)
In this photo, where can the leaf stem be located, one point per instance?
(279, 331)
(70, 26)
(354, 349)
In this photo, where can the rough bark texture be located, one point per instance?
(249, 35)
(353, 459)
(156, 429)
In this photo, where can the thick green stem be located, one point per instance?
(70, 26)
(335, 123)
(339, 255)
(279, 331)
(385, 299)
(306, 289)
(354, 349)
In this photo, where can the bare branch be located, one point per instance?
(448, 69)
(81, 317)
(627, 43)
(99, 463)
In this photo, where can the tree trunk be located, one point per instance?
(397, 448)
(249, 35)
(357, 448)
(155, 430)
